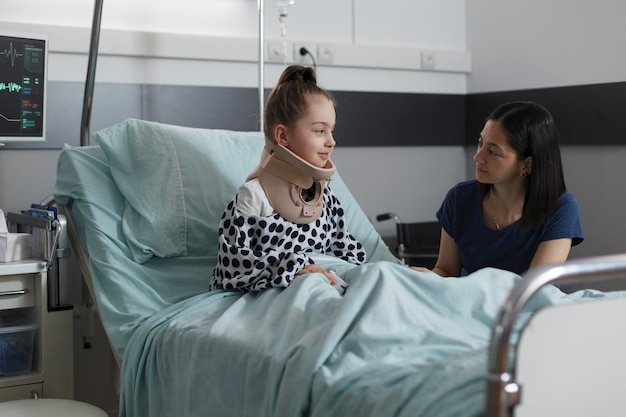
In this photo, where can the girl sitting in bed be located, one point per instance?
(516, 214)
(286, 209)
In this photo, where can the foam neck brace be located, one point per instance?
(285, 177)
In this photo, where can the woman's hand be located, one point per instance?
(420, 269)
(309, 269)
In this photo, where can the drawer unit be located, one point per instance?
(21, 392)
(36, 352)
(17, 291)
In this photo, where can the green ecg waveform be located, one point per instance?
(12, 87)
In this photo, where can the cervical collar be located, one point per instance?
(294, 187)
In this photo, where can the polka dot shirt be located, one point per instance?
(256, 253)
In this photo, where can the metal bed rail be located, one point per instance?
(503, 393)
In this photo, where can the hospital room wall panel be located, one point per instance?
(410, 181)
(586, 115)
(342, 21)
(203, 107)
(411, 23)
(365, 119)
(568, 55)
(595, 175)
(538, 44)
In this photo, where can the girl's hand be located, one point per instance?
(420, 269)
(309, 269)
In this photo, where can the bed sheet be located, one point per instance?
(398, 343)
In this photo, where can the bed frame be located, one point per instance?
(528, 378)
(544, 380)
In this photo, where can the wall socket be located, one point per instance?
(279, 51)
(428, 60)
(325, 54)
(304, 59)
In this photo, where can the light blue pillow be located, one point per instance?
(177, 181)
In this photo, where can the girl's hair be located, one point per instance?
(288, 101)
(530, 130)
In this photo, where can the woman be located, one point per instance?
(516, 214)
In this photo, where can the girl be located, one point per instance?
(285, 209)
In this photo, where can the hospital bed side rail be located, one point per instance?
(503, 393)
(83, 261)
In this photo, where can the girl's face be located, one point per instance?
(312, 136)
(496, 161)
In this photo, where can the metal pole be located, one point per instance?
(261, 66)
(91, 73)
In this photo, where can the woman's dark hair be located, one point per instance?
(288, 101)
(530, 130)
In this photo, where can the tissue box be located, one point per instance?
(13, 246)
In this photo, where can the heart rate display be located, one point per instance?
(22, 87)
(11, 53)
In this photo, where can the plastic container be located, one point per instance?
(17, 336)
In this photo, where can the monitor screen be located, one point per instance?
(23, 80)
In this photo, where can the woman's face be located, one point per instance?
(312, 136)
(496, 162)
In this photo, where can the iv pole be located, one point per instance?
(261, 66)
(91, 73)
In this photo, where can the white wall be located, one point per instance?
(536, 43)
(407, 26)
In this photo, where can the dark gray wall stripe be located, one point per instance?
(399, 119)
(202, 107)
(363, 119)
(585, 114)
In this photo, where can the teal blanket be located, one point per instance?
(147, 202)
(398, 343)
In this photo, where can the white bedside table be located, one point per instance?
(24, 290)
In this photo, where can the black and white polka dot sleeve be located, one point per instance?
(256, 253)
(343, 245)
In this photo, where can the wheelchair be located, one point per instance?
(417, 243)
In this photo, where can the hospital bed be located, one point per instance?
(143, 205)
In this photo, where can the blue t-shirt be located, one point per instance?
(509, 248)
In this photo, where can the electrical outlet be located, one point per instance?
(279, 51)
(305, 59)
(428, 60)
(325, 54)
